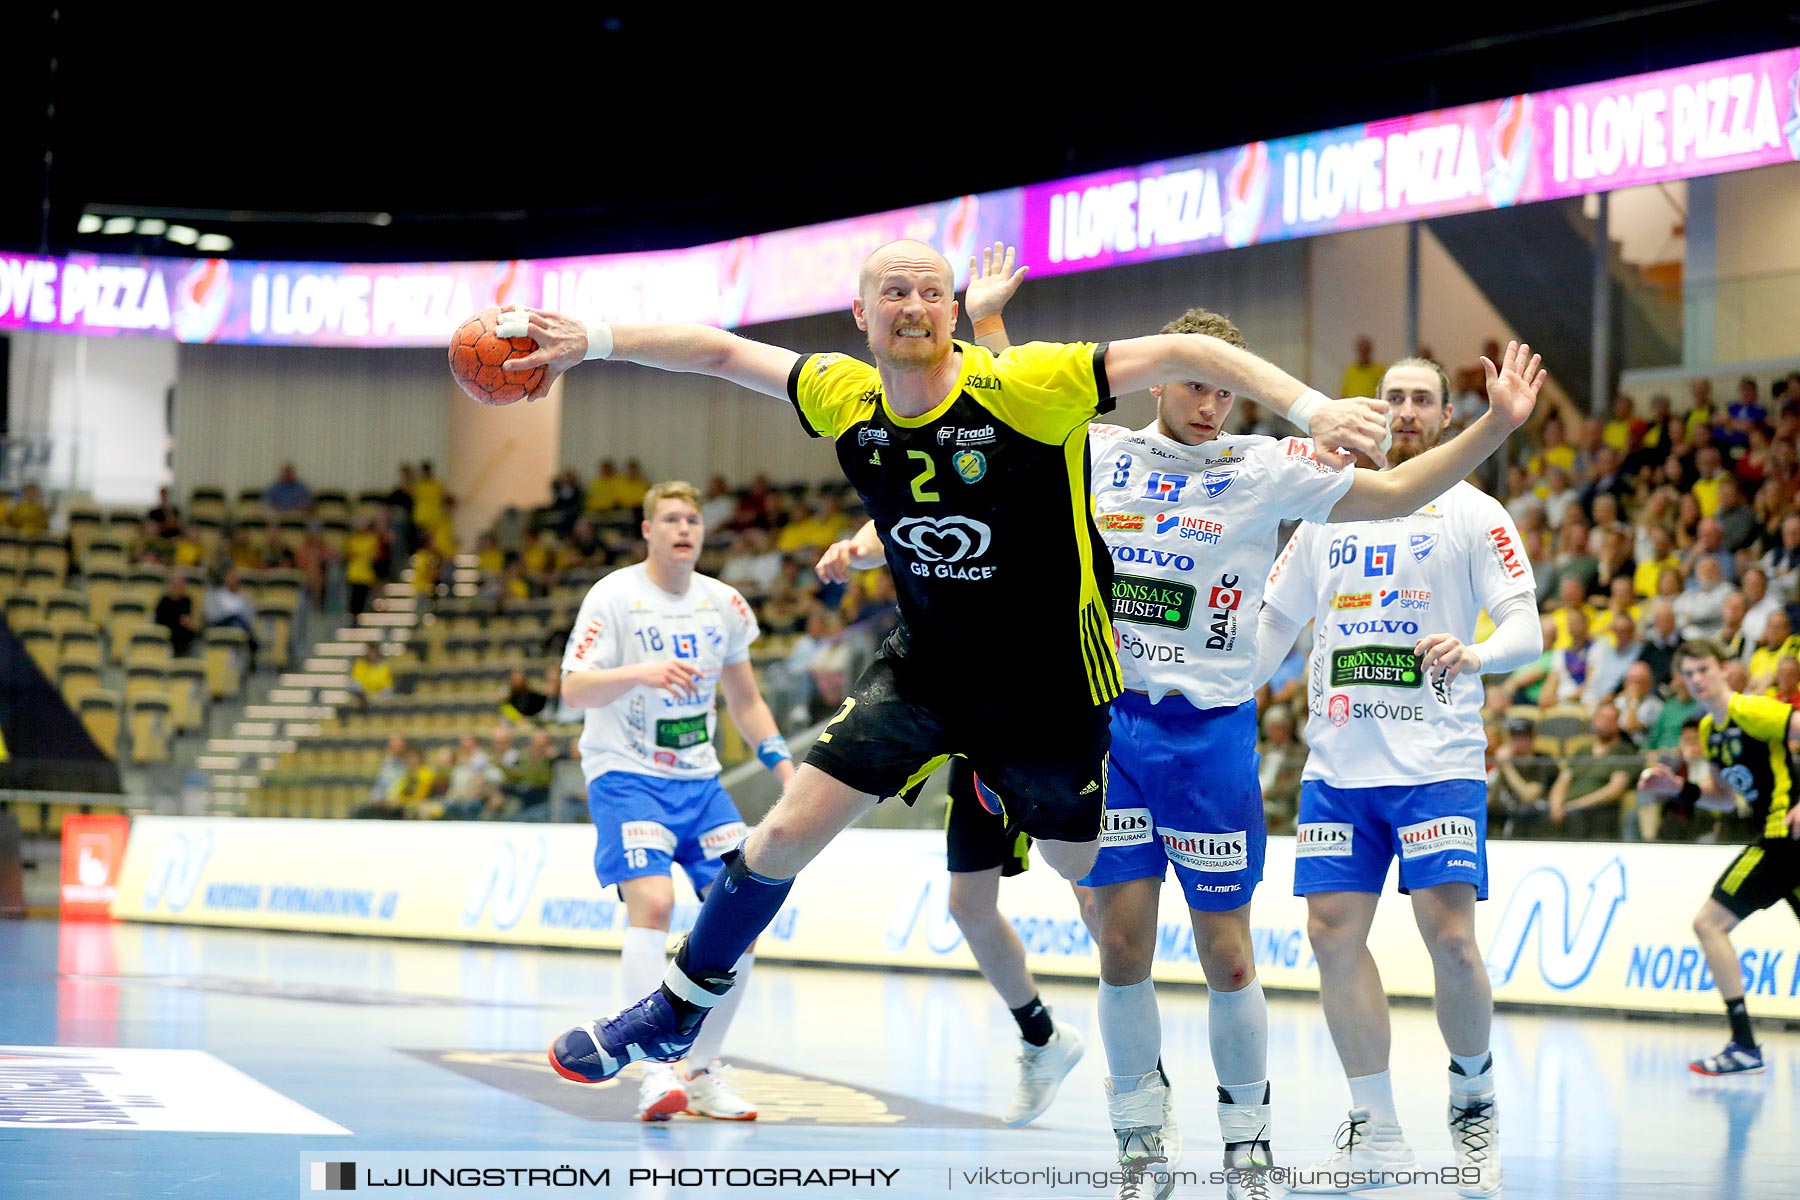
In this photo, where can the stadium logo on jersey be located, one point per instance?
(1165, 486)
(1126, 827)
(1207, 851)
(942, 542)
(1122, 522)
(1375, 666)
(1215, 482)
(1506, 554)
(970, 465)
(1324, 839)
(1410, 628)
(1437, 835)
(1345, 600)
(1422, 545)
(1378, 560)
(1224, 601)
(1415, 599)
(1339, 710)
(870, 435)
(1152, 558)
(1152, 602)
(987, 383)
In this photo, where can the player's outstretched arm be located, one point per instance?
(1358, 425)
(992, 283)
(564, 342)
(750, 713)
(1512, 393)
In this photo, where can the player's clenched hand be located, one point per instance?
(1357, 424)
(841, 558)
(992, 282)
(562, 343)
(1658, 780)
(1444, 652)
(1512, 387)
(673, 676)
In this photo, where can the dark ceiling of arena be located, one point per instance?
(531, 130)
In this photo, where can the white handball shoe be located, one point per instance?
(711, 1093)
(1248, 1155)
(1370, 1154)
(660, 1095)
(1135, 1112)
(1041, 1071)
(1475, 1132)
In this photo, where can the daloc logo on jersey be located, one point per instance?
(1422, 546)
(1215, 482)
(1165, 486)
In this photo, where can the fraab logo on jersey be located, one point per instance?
(1215, 482)
(870, 435)
(1422, 545)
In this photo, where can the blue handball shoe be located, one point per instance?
(1735, 1059)
(660, 1027)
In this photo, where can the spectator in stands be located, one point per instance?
(1731, 629)
(288, 493)
(603, 489)
(1570, 564)
(175, 613)
(794, 594)
(716, 509)
(823, 523)
(427, 502)
(1786, 687)
(370, 676)
(387, 781)
(1613, 562)
(1571, 597)
(1679, 708)
(154, 547)
(1570, 667)
(566, 500)
(1701, 608)
(753, 565)
(29, 518)
(1758, 604)
(1602, 477)
(1586, 799)
(399, 506)
(1700, 416)
(1662, 640)
(1559, 494)
(1637, 702)
(1626, 430)
(1521, 495)
(313, 560)
(1519, 784)
(226, 606)
(632, 486)
(1655, 554)
(522, 702)
(189, 548)
(1777, 642)
(1363, 376)
(1283, 758)
(1746, 413)
(362, 550)
(416, 786)
(474, 782)
(1736, 519)
(1782, 562)
(165, 516)
(1610, 658)
(583, 543)
(526, 782)
(755, 506)
(490, 559)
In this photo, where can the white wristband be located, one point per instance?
(1310, 401)
(600, 342)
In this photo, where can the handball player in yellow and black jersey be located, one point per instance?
(994, 556)
(1746, 739)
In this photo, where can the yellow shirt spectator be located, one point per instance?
(1596, 620)
(1643, 580)
(187, 552)
(1763, 660)
(29, 519)
(629, 492)
(374, 678)
(1701, 415)
(536, 558)
(443, 540)
(1617, 434)
(1360, 380)
(428, 501)
(1562, 456)
(1706, 491)
(491, 560)
(360, 551)
(812, 531)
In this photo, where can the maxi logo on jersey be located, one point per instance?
(1512, 564)
(1224, 601)
(1152, 601)
(943, 544)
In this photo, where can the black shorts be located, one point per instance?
(1764, 873)
(976, 839)
(1046, 762)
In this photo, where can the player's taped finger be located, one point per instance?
(514, 322)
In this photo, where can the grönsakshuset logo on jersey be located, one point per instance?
(943, 545)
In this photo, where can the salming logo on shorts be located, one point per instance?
(1324, 839)
(1437, 835)
(716, 842)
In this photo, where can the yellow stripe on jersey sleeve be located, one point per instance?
(1041, 389)
(1763, 718)
(832, 392)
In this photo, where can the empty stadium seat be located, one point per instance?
(187, 694)
(100, 714)
(227, 653)
(152, 728)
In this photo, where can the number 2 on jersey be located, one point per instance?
(923, 477)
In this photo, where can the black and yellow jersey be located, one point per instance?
(983, 509)
(1751, 755)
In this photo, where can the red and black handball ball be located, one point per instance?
(476, 352)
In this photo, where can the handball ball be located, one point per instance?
(476, 352)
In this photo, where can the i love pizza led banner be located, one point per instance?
(1703, 120)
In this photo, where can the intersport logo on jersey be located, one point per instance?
(1214, 852)
(1437, 835)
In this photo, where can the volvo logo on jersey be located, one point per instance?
(943, 544)
(1222, 620)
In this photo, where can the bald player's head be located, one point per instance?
(907, 253)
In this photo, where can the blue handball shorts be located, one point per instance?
(644, 822)
(1182, 790)
(1346, 837)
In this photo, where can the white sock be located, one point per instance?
(1477, 1073)
(1131, 1030)
(643, 961)
(1237, 1026)
(1375, 1093)
(712, 1034)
